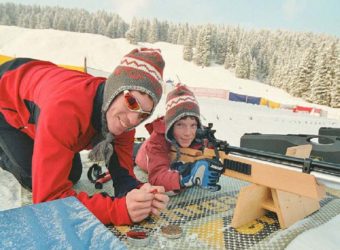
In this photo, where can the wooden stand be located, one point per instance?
(292, 195)
(290, 207)
(254, 200)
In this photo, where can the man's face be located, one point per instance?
(185, 131)
(120, 117)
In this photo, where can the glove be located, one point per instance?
(202, 173)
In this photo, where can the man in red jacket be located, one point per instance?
(49, 114)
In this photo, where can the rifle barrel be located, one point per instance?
(307, 165)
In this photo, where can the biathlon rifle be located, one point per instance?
(221, 149)
(306, 164)
(274, 186)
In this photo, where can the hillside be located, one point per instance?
(104, 53)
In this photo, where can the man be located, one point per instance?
(49, 114)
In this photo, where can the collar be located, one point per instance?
(96, 118)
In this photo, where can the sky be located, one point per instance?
(318, 16)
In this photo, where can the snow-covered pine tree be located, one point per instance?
(59, 22)
(131, 33)
(187, 48)
(122, 27)
(93, 25)
(198, 57)
(82, 25)
(8, 13)
(230, 56)
(181, 35)
(140, 33)
(321, 83)
(102, 26)
(153, 35)
(110, 30)
(221, 47)
(335, 93)
(253, 69)
(243, 61)
(304, 76)
(163, 34)
(45, 22)
(229, 61)
(207, 46)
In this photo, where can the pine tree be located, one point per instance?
(229, 61)
(153, 35)
(321, 83)
(164, 29)
(203, 47)
(131, 35)
(221, 47)
(302, 81)
(180, 35)
(122, 27)
(110, 30)
(335, 93)
(230, 57)
(187, 48)
(253, 69)
(145, 27)
(243, 61)
(198, 57)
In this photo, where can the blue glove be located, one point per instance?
(202, 173)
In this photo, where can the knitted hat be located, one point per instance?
(180, 102)
(141, 70)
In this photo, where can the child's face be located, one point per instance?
(185, 131)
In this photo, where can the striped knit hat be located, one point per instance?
(180, 102)
(141, 70)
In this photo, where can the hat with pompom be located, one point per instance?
(141, 70)
(180, 102)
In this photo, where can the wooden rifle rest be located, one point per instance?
(292, 195)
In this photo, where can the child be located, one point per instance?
(177, 128)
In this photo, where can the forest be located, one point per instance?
(306, 65)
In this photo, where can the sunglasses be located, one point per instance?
(133, 105)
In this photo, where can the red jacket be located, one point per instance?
(153, 157)
(60, 102)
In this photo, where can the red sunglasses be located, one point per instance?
(133, 105)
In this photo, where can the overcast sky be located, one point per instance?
(319, 16)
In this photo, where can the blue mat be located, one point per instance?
(60, 224)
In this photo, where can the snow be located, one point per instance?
(231, 119)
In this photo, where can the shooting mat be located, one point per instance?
(205, 218)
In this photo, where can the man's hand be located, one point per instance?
(145, 201)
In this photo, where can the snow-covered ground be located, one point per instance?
(231, 119)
